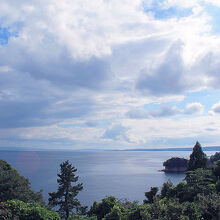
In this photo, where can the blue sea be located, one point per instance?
(124, 174)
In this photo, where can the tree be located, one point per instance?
(198, 158)
(199, 181)
(103, 208)
(215, 157)
(209, 206)
(216, 169)
(151, 194)
(166, 188)
(115, 214)
(15, 186)
(66, 193)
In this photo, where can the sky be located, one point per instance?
(109, 74)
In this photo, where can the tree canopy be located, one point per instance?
(14, 186)
(16, 209)
(215, 157)
(198, 158)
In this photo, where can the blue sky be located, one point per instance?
(109, 74)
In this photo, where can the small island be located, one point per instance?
(175, 165)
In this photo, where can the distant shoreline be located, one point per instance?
(211, 148)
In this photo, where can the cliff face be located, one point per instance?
(174, 169)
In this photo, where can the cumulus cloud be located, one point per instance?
(216, 108)
(116, 132)
(208, 64)
(194, 108)
(167, 76)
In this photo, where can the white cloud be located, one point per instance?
(194, 108)
(94, 61)
(214, 2)
(216, 108)
(116, 132)
(165, 111)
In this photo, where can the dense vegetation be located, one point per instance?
(18, 200)
(16, 209)
(215, 157)
(15, 186)
(197, 197)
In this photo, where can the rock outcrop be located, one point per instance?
(175, 165)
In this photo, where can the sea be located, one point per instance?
(123, 174)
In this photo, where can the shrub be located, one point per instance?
(16, 209)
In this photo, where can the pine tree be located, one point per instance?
(198, 158)
(66, 193)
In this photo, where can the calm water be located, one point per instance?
(122, 174)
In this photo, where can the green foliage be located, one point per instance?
(66, 193)
(166, 189)
(126, 204)
(181, 191)
(139, 212)
(171, 209)
(217, 186)
(15, 209)
(151, 194)
(216, 169)
(209, 206)
(79, 217)
(198, 158)
(15, 186)
(115, 214)
(199, 178)
(191, 211)
(103, 208)
(215, 157)
(199, 181)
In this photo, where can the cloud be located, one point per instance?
(116, 132)
(165, 111)
(167, 77)
(86, 65)
(29, 113)
(91, 123)
(208, 64)
(137, 114)
(216, 108)
(194, 108)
